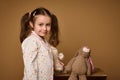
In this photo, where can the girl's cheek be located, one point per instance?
(49, 28)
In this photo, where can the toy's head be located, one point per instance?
(84, 51)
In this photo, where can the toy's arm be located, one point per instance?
(68, 67)
(89, 71)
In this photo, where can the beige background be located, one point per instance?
(92, 23)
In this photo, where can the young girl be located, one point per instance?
(37, 53)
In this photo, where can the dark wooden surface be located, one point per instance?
(98, 74)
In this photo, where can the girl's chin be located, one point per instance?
(43, 35)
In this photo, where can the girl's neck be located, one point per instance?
(42, 38)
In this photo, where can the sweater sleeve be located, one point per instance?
(30, 51)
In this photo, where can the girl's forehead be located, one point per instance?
(43, 18)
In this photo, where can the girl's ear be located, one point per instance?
(31, 24)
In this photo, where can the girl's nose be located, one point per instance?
(45, 27)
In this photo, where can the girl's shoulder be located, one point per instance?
(30, 44)
(29, 40)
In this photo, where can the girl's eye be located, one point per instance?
(41, 24)
(48, 24)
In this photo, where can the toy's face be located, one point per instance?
(86, 52)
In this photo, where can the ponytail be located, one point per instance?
(25, 28)
(54, 37)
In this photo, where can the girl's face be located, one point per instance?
(42, 25)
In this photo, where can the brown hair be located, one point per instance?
(54, 38)
(25, 28)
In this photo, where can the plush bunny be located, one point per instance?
(79, 65)
(57, 58)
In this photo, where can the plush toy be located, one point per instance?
(58, 57)
(79, 65)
